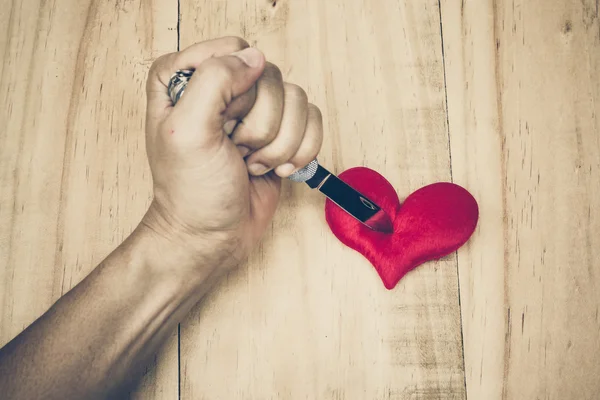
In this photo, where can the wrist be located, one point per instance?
(171, 251)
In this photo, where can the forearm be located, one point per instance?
(92, 342)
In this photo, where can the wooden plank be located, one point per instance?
(523, 88)
(74, 179)
(307, 318)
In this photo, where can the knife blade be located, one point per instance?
(345, 196)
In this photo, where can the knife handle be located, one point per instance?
(177, 85)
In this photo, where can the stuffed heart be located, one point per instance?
(432, 222)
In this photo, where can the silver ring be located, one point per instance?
(178, 83)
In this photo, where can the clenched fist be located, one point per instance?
(217, 156)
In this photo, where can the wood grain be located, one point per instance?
(307, 318)
(523, 99)
(73, 175)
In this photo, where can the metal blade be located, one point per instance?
(352, 201)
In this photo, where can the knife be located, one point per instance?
(345, 196)
(316, 177)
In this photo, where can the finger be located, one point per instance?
(190, 58)
(310, 146)
(213, 87)
(240, 107)
(291, 133)
(262, 123)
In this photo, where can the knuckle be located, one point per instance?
(264, 135)
(296, 92)
(273, 71)
(310, 148)
(158, 65)
(181, 56)
(217, 71)
(160, 71)
(314, 147)
(236, 42)
(315, 112)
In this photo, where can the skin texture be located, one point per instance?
(216, 158)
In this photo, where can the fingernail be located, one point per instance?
(285, 170)
(250, 56)
(257, 169)
(229, 126)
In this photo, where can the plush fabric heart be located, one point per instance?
(433, 222)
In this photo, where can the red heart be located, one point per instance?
(433, 222)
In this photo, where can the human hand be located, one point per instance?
(218, 155)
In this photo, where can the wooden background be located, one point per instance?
(501, 97)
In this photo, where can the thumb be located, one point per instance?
(216, 83)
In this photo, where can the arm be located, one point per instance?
(102, 332)
(211, 206)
